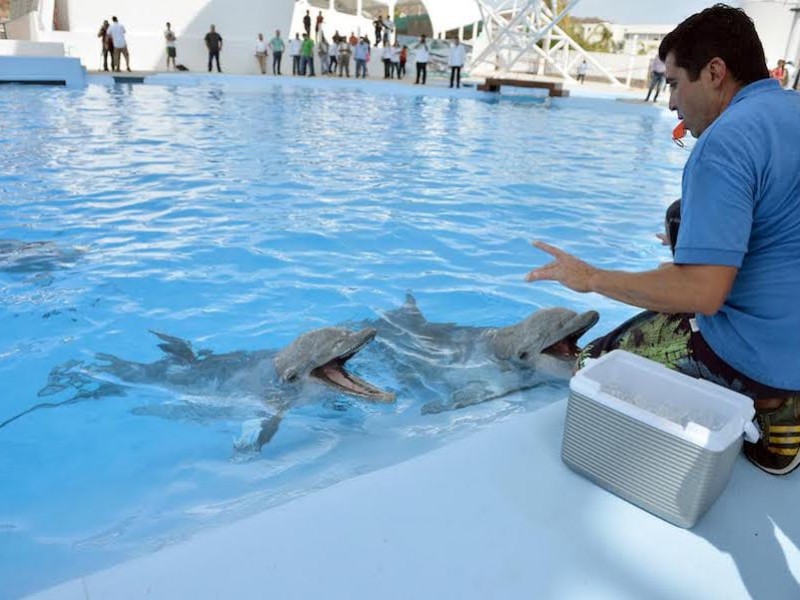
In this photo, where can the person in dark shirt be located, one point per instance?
(214, 45)
(378, 23)
(107, 44)
(307, 22)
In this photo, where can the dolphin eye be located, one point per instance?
(523, 355)
(291, 377)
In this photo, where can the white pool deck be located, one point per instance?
(494, 515)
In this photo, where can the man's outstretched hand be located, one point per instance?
(568, 270)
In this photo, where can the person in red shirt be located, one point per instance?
(780, 73)
(401, 68)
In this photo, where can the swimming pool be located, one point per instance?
(239, 216)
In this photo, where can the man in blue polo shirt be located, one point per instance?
(728, 309)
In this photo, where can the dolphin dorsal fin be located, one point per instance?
(176, 347)
(408, 316)
(411, 309)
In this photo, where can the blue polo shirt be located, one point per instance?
(741, 208)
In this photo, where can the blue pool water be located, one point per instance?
(240, 216)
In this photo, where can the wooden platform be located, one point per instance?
(493, 84)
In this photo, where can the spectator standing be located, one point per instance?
(276, 45)
(294, 52)
(780, 73)
(362, 56)
(396, 59)
(388, 27)
(421, 56)
(106, 45)
(657, 70)
(353, 40)
(318, 25)
(322, 51)
(378, 23)
(386, 57)
(345, 50)
(458, 54)
(333, 53)
(401, 65)
(583, 69)
(214, 44)
(117, 33)
(261, 54)
(307, 23)
(307, 53)
(169, 43)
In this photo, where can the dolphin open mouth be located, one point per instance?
(334, 374)
(566, 347)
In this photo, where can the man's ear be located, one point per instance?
(718, 71)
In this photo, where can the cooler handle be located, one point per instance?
(752, 433)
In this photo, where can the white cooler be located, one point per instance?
(662, 440)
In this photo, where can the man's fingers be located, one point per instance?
(542, 273)
(549, 249)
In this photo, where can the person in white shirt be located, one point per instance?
(583, 69)
(117, 33)
(294, 52)
(333, 53)
(458, 54)
(421, 56)
(386, 57)
(395, 58)
(261, 53)
(388, 28)
(169, 42)
(322, 51)
(657, 71)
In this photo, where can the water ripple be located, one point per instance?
(240, 217)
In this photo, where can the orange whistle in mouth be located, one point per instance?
(680, 131)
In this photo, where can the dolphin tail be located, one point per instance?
(176, 347)
(102, 390)
(256, 433)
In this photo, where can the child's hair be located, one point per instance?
(672, 222)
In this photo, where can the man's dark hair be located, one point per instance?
(114, 19)
(720, 31)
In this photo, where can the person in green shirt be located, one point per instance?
(276, 44)
(307, 54)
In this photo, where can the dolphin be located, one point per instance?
(17, 256)
(313, 363)
(460, 366)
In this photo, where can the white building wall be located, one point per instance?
(238, 22)
(774, 21)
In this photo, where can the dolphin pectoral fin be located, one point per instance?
(474, 392)
(256, 433)
(176, 347)
(435, 407)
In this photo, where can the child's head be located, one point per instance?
(672, 222)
